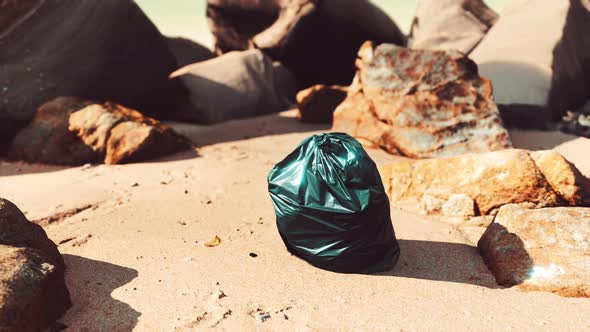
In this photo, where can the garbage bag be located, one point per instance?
(331, 207)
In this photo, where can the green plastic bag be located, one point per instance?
(331, 207)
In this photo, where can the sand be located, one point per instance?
(136, 257)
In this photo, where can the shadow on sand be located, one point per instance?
(8, 168)
(442, 261)
(91, 284)
(273, 124)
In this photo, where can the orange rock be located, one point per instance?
(564, 177)
(421, 104)
(124, 135)
(317, 104)
(69, 131)
(46, 139)
(491, 179)
(543, 249)
(33, 292)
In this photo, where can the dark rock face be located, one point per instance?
(543, 76)
(540, 249)
(318, 103)
(17, 231)
(187, 51)
(68, 131)
(13, 10)
(33, 293)
(450, 24)
(421, 104)
(100, 50)
(316, 40)
(233, 86)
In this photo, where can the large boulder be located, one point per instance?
(33, 293)
(316, 40)
(450, 24)
(187, 51)
(421, 104)
(69, 131)
(99, 50)
(540, 249)
(235, 85)
(491, 180)
(538, 58)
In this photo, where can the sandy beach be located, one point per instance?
(133, 240)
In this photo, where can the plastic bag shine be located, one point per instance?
(331, 207)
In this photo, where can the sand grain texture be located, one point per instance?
(138, 260)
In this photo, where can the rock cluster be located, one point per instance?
(33, 293)
(420, 104)
(98, 50)
(316, 40)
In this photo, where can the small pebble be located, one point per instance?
(262, 317)
(253, 255)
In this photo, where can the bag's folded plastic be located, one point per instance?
(331, 207)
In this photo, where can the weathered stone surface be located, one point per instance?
(68, 131)
(46, 138)
(187, 51)
(13, 10)
(318, 103)
(17, 231)
(564, 178)
(540, 249)
(420, 104)
(459, 205)
(491, 179)
(316, 40)
(33, 293)
(450, 24)
(109, 50)
(538, 57)
(235, 85)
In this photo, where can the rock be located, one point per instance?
(316, 40)
(68, 131)
(33, 293)
(46, 140)
(235, 85)
(540, 249)
(450, 24)
(109, 50)
(421, 104)
(431, 204)
(187, 51)
(459, 205)
(564, 178)
(17, 231)
(317, 104)
(538, 57)
(491, 180)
